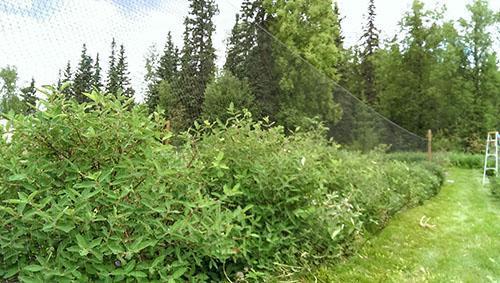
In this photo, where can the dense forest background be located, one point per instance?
(286, 59)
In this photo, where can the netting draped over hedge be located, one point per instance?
(101, 191)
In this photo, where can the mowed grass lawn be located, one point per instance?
(463, 246)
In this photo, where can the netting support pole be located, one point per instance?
(429, 145)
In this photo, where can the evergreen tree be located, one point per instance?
(237, 50)
(28, 95)
(59, 79)
(338, 36)
(83, 77)
(118, 78)
(167, 71)
(67, 77)
(198, 55)
(169, 62)
(151, 79)
(113, 83)
(370, 45)
(251, 56)
(345, 65)
(96, 77)
(123, 74)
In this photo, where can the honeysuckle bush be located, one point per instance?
(104, 192)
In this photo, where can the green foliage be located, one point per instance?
(90, 196)
(123, 75)
(495, 186)
(96, 78)
(95, 192)
(306, 58)
(29, 98)
(84, 76)
(223, 92)
(437, 76)
(445, 159)
(9, 92)
(112, 83)
(118, 77)
(370, 45)
(197, 56)
(466, 161)
(405, 249)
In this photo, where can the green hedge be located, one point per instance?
(97, 193)
(454, 159)
(495, 186)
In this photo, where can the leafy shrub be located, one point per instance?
(96, 192)
(466, 161)
(384, 187)
(90, 192)
(226, 90)
(410, 157)
(455, 159)
(495, 186)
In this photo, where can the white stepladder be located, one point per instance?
(492, 149)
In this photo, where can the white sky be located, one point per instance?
(40, 36)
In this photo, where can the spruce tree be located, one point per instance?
(112, 85)
(236, 58)
(59, 79)
(67, 78)
(338, 36)
(344, 65)
(250, 56)
(151, 78)
(96, 76)
(198, 55)
(28, 95)
(83, 77)
(169, 62)
(166, 72)
(123, 74)
(370, 45)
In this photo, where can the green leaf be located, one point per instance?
(11, 272)
(130, 266)
(26, 279)
(66, 228)
(138, 274)
(85, 185)
(17, 177)
(179, 272)
(82, 242)
(157, 261)
(139, 245)
(33, 268)
(116, 248)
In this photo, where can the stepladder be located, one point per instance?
(491, 156)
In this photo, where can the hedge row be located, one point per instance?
(101, 192)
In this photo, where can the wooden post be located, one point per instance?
(429, 145)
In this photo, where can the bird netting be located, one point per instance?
(39, 38)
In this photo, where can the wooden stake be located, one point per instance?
(429, 145)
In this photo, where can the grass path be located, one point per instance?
(464, 245)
